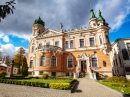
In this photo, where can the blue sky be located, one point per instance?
(16, 29)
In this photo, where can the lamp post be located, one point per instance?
(11, 66)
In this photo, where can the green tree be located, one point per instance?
(24, 67)
(19, 57)
(6, 9)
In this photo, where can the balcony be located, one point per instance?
(49, 47)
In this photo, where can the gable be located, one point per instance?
(49, 33)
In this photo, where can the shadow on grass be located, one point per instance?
(76, 90)
(126, 95)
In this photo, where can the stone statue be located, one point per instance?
(61, 26)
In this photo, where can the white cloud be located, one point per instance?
(4, 37)
(114, 11)
(9, 49)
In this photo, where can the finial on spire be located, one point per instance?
(90, 5)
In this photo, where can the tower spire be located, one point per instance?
(92, 13)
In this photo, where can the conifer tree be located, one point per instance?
(24, 67)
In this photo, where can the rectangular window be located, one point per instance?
(91, 41)
(100, 38)
(40, 72)
(48, 43)
(57, 43)
(128, 46)
(70, 64)
(40, 44)
(32, 48)
(67, 74)
(53, 73)
(94, 62)
(81, 42)
(66, 44)
(31, 63)
(71, 44)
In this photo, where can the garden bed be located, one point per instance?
(120, 84)
(61, 84)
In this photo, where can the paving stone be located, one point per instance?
(86, 88)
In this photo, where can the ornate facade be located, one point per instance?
(120, 57)
(69, 53)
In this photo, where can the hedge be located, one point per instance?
(35, 84)
(60, 86)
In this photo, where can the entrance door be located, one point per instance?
(83, 66)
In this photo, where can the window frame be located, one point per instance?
(68, 62)
(72, 44)
(107, 39)
(51, 61)
(33, 47)
(31, 66)
(94, 62)
(80, 42)
(67, 44)
(100, 39)
(56, 42)
(41, 60)
(93, 41)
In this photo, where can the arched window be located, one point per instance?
(107, 39)
(70, 61)
(53, 61)
(125, 54)
(42, 61)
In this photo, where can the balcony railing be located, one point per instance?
(49, 47)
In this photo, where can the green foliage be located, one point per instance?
(60, 86)
(3, 73)
(6, 9)
(119, 86)
(24, 67)
(19, 57)
(44, 76)
(120, 79)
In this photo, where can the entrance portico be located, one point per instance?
(83, 63)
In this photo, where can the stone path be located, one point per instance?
(86, 88)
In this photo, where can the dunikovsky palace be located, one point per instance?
(70, 53)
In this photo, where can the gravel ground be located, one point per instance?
(86, 88)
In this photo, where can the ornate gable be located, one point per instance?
(49, 33)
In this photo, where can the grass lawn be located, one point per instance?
(121, 87)
(46, 80)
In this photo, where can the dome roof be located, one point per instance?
(39, 21)
(100, 18)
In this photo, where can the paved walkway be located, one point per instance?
(86, 88)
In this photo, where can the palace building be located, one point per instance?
(72, 52)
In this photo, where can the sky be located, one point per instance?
(16, 29)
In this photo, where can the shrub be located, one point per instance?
(44, 76)
(120, 79)
(60, 86)
(36, 77)
(2, 73)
